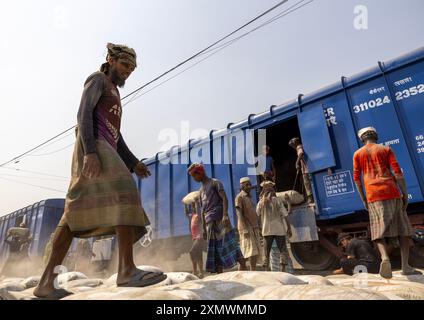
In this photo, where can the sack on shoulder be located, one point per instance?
(293, 196)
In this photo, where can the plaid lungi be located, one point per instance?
(94, 207)
(223, 248)
(387, 219)
(250, 244)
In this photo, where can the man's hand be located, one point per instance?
(141, 170)
(226, 220)
(91, 167)
(404, 202)
(289, 232)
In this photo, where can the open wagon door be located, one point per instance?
(316, 139)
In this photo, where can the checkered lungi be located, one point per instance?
(94, 207)
(223, 248)
(387, 219)
(250, 244)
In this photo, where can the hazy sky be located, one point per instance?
(48, 48)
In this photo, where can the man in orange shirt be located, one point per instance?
(385, 203)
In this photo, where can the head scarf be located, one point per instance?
(196, 168)
(119, 51)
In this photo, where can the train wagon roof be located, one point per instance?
(55, 203)
(274, 110)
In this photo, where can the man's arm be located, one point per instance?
(125, 153)
(400, 179)
(223, 195)
(239, 212)
(357, 179)
(93, 90)
(300, 156)
(130, 160)
(224, 198)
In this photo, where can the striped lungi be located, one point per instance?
(250, 243)
(223, 248)
(94, 207)
(388, 219)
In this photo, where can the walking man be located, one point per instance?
(102, 198)
(223, 249)
(385, 203)
(248, 224)
(303, 168)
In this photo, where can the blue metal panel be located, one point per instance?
(336, 193)
(164, 208)
(179, 191)
(373, 106)
(39, 212)
(222, 169)
(241, 155)
(148, 197)
(408, 88)
(315, 138)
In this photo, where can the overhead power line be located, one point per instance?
(35, 172)
(217, 49)
(32, 185)
(158, 77)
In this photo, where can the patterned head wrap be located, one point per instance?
(119, 51)
(196, 168)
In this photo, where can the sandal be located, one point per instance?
(411, 272)
(139, 279)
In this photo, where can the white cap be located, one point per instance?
(363, 130)
(244, 179)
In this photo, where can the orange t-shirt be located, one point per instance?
(374, 162)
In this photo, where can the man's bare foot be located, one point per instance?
(42, 291)
(386, 269)
(50, 293)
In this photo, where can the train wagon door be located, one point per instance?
(316, 139)
(372, 105)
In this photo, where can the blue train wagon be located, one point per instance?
(41, 218)
(389, 97)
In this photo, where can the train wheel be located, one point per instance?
(312, 256)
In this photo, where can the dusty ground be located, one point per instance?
(235, 285)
